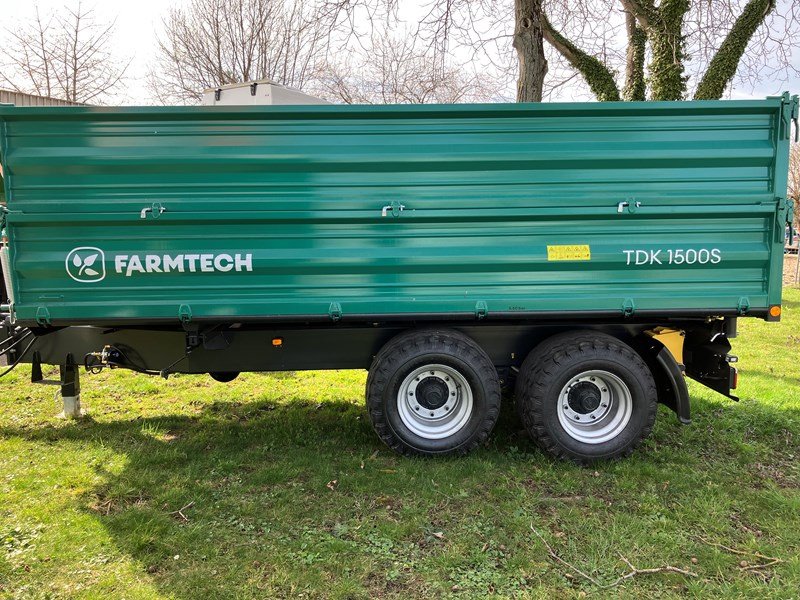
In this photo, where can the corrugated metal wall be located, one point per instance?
(492, 195)
(22, 99)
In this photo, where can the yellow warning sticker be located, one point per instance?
(569, 252)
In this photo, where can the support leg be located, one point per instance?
(71, 389)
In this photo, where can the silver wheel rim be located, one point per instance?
(591, 424)
(419, 397)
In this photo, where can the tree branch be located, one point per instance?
(723, 66)
(645, 12)
(597, 75)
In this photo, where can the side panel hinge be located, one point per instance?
(185, 313)
(335, 311)
(481, 309)
(628, 307)
(743, 306)
(43, 316)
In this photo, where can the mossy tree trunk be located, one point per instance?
(664, 28)
(635, 85)
(597, 75)
(723, 66)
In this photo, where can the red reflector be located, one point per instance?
(735, 378)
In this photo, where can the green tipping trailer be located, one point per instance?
(590, 254)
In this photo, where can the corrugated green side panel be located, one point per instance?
(298, 193)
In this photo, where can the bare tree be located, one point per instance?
(210, 43)
(392, 70)
(66, 54)
(620, 49)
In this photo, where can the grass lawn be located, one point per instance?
(286, 492)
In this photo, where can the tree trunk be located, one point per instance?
(666, 41)
(530, 50)
(635, 86)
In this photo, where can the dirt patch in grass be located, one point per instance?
(790, 270)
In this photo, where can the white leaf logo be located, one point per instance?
(86, 264)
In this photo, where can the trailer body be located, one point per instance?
(268, 238)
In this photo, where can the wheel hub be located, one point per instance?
(432, 393)
(584, 397)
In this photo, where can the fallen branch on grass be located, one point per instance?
(771, 561)
(179, 512)
(630, 575)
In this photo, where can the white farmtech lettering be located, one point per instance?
(182, 263)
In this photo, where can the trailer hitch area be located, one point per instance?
(109, 356)
(708, 361)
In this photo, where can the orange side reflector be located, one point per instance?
(277, 342)
(775, 311)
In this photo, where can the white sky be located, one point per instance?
(139, 22)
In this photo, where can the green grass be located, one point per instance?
(87, 508)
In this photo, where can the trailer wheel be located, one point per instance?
(433, 393)
(586, 396)
(224, 376)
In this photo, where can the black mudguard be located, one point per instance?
(673, 384)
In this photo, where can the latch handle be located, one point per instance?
(627, 204)
(395, 207)
(157, 209)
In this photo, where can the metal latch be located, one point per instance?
(395, 207)
(784, 216)
(157, 209)
(481, 309)
(630, 204)
(790, 111)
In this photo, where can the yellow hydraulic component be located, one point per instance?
(672, 339)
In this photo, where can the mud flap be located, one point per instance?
(676, 391)
(707, 358)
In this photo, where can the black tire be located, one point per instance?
(559, 361)
(224, 376)
(406, 354)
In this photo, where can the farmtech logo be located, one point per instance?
(86, 264)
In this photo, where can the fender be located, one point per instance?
(676, 392)
(658, 348)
